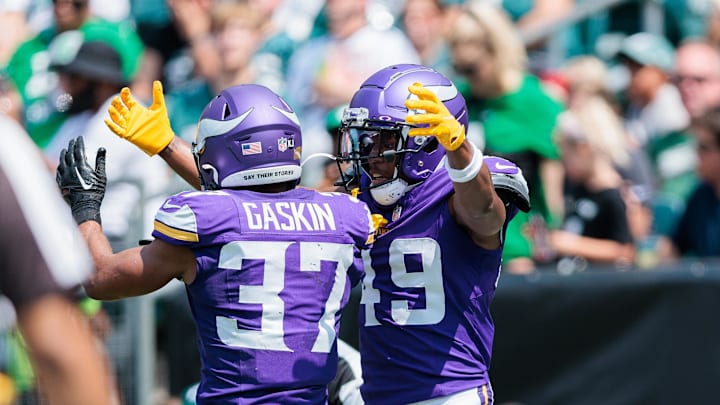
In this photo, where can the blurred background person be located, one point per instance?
(531, 16)
(29, 66)
(43, 260)
(235, 36)
(595, 227)
(674, 157)
(331, 169)
(652, 106)
(13, 19)
(586, 77)
(697, 233)
(516, 116)
(424, 23)
(272, 37)
(324, 72)
(697, 76)
(90, 74)
(192, 21)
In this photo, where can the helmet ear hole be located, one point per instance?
(431, 145)
(226, 111)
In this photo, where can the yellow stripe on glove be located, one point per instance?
(147, 128)
(441, 123)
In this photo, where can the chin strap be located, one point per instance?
(390, 192)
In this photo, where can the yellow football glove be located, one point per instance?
(378, 221)
(148, 128)
(441, 123)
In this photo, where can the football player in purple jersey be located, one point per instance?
(267, 266)
(426, 330)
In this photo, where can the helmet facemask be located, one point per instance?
(379, 107)
(371, 146)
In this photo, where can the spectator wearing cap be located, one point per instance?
(657, 118)
(653, 107)
(90, 75)
(30, 73)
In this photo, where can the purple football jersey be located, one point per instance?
(425, 324)
(273, 273)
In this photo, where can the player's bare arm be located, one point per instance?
(135, 271)
(178, 155)
(475, 205)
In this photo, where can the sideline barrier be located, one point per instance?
(608, 337)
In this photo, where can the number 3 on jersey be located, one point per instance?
(271, 335)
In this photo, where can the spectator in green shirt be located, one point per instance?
(28, 68)
(516, 114)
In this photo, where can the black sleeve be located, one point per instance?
(621, 229)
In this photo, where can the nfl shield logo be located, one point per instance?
(285, 143)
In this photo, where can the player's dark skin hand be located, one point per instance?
(82, 186)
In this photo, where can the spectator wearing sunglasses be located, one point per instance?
(697, 77)
(656, 119)
(517, 117)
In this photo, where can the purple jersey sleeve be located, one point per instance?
(176, 221)
(426, 329)
(273, 274)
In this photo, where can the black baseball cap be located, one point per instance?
(95, 60)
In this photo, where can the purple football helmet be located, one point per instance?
(378, 107)
(247, 136)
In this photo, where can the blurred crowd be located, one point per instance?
(616, 128)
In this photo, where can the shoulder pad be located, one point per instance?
(509, 182)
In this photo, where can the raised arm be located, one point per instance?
(128, 273)
(149, 129)
(475, 205)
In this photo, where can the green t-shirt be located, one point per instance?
(673, 159)
(517, 124)
(28, 69)
(521, 121)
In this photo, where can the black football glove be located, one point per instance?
(82, 187)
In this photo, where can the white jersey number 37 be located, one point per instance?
(271, 335)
